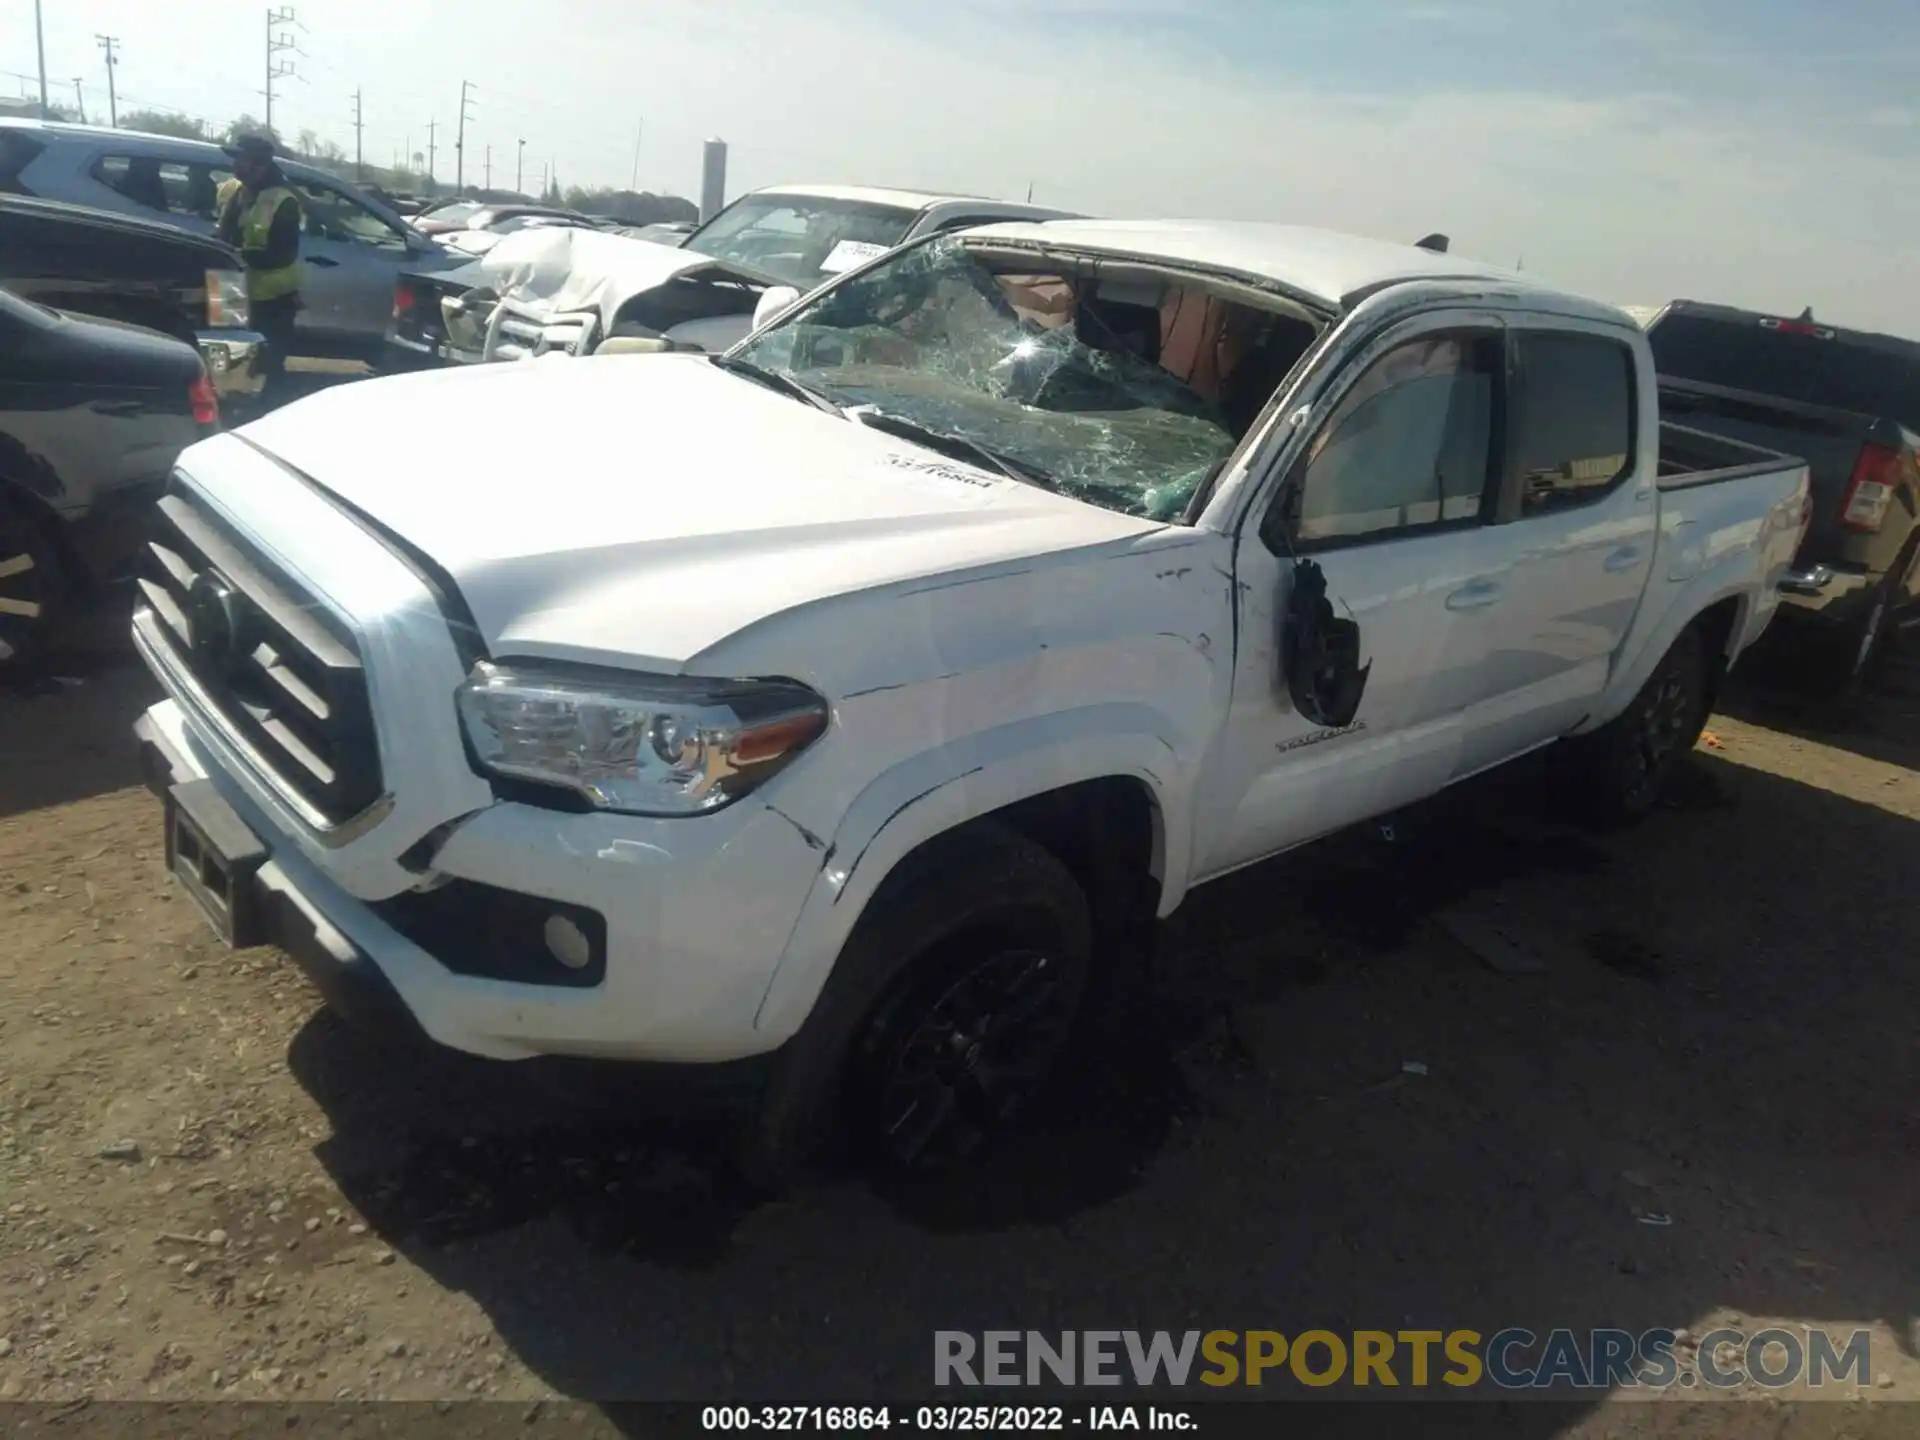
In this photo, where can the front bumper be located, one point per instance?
(691, 939)
(234, 360)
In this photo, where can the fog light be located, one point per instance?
(567, 942)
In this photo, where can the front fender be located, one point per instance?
(941, 789)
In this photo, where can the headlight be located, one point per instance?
(643, 744)
(227, 299)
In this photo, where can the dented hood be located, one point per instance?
(637, 510)
(562, 270)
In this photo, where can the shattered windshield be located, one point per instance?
(1126, 394)
(801, 240)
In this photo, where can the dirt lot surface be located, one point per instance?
(1682, 1092)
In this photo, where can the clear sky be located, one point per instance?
(1762, 152)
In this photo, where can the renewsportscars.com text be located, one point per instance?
(1509, 1359)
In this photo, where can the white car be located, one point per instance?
(825, 714)
(567, 291)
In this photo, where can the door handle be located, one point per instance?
(1475, 594)
(1625, 558)
(325, 262)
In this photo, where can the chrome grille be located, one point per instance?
(281, 670)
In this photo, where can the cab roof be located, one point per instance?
(1337, 271)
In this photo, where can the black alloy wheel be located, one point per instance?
(29, 587)
(956, 1058)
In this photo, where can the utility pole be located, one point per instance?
(460, 142)
(359, 169)
(432, 126)
(488, 185)
(520, 169)
(633, 184)
(544, 164)
(40, 44)
(109, 45)
(80, 98)
(276, 43)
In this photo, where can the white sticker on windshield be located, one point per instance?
(849, 253)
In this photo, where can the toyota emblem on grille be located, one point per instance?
(213, 620)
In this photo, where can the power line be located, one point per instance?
(109, 45)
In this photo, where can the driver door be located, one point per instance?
(353, 257)
(1389, 491)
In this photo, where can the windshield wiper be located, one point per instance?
(775, 380)
(960, 447)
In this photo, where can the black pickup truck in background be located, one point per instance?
(138, 272)
(93, 414)
(1847, 402)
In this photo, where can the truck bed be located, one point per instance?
(1691, 457)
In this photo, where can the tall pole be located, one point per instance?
(460, 142)
(40, 44)
(489, 170)
(277, 69)
(359, 169)
(520, 170)
(109, 45)
(544, 187)
(634, 183)
(80, 98)
(432, 149)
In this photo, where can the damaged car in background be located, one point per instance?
(569, 290)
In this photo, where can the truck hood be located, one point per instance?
(562, 270)
(637, 510)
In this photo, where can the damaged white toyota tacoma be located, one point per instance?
(823, 715)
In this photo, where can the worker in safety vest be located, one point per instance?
(260, 216)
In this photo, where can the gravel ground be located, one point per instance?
(210, 1187)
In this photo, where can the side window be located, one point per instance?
(166, 186)
(16, 153)
(1409, 446)
(330, 214)
(1573, 419)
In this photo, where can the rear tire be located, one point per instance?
(945, 1012)
(32, 585)
(1620, 770)
(1861, 652)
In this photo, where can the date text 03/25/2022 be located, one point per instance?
(959, 1419)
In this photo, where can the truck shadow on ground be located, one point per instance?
(1773, 688)
(1328, 1112)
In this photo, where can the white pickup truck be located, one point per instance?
(820, 715)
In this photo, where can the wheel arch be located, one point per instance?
(1112, 804)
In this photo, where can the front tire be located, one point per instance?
(943, 1017)
(1621, 769)
(31, 587)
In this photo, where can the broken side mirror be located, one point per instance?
(1320, 652)
(773, 300)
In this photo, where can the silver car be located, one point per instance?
(354, 246)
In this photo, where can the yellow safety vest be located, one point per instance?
(255, 228)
